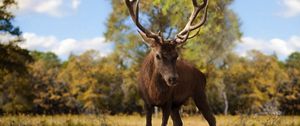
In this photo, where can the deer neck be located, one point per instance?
(157, 83)
(158, 91)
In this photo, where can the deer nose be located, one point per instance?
(172, 80)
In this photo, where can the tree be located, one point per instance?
(50, 96)
(251, 84)
(78, 74)
(12, 57)
(110, 84)
(95, 83)
(293, 60)
(15, 91)
(289, 92)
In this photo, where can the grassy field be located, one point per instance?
(136, 120)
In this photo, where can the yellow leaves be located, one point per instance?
(91, 80)
(257, 79)
(291, 97)
(236, 69)
(54, 97)
(218, 29)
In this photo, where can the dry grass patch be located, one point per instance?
(136, 120)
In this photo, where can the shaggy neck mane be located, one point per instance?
(149, 67)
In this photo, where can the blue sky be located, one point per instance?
(266, 19)
(271, 26)
(74, 26)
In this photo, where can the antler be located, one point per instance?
(183, 35)
(135, 17)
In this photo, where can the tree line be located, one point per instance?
(40, 83)
(85, 84)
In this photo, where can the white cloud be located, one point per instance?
(6, 37)
(63, 48)
(282, 48)
(75, 4)
(51, 7)
(295, 41)
(291, 8)
(55, 8)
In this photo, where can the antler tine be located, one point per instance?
(183, 35)
(183, 39)
(203, 19)
(135, 17)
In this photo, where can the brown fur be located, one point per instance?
(156, 92)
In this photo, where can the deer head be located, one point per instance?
(164, 50)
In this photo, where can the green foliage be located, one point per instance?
(293, 60)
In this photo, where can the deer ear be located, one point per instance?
(148, 41)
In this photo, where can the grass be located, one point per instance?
(136, 120)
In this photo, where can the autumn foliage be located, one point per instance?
(41, 83)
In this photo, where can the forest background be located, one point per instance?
(41, 83)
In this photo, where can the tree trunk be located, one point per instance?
(225, 103)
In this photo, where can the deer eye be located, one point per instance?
(158, 56)
(175, 58)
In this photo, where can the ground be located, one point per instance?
(137, 120)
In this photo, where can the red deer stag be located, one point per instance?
(166, 81)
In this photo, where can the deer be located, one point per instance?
(165, 80)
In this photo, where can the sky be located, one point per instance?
(270, 26)
(74, 26)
